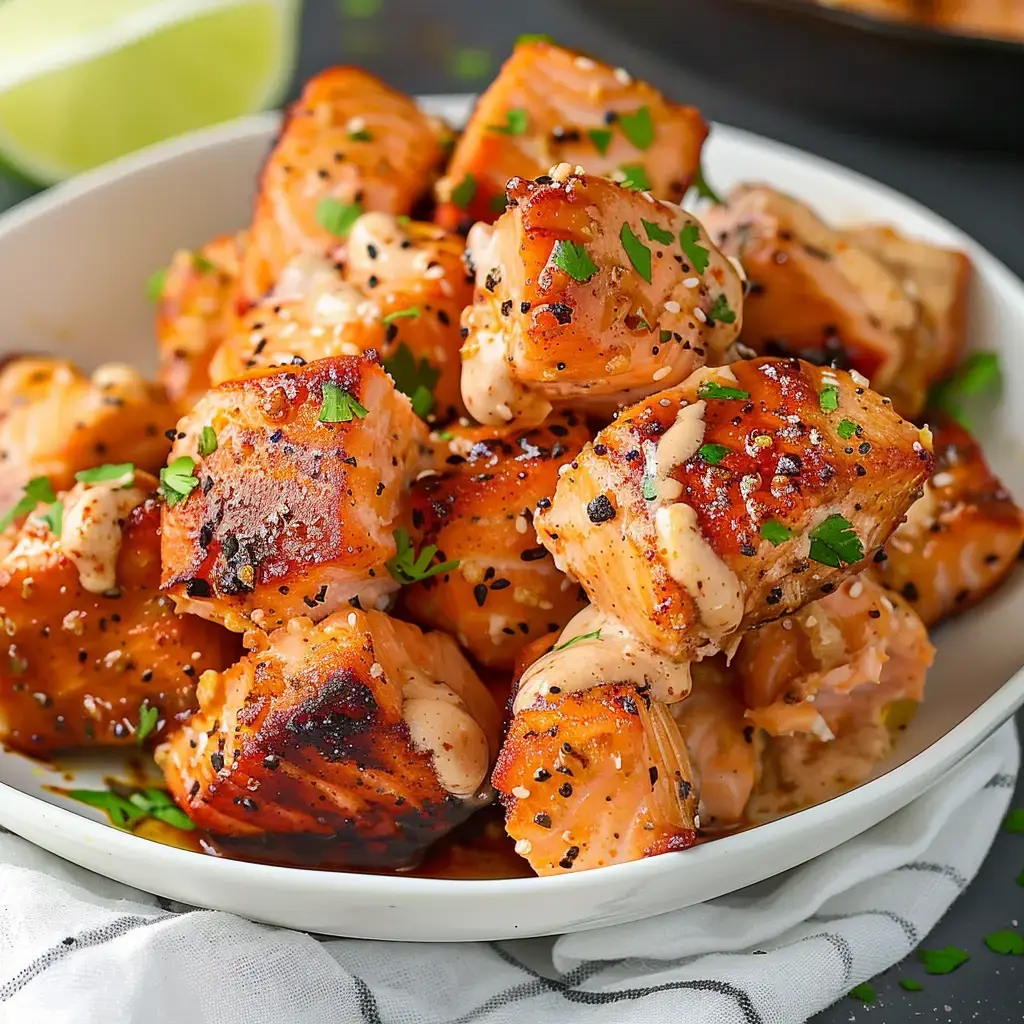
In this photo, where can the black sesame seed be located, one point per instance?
(534, 554)
(542, 819)
(480, 594)
(541, 775)
(197, 588)
(565, 789)
(910, 591)
(216, 761)
(653, 772)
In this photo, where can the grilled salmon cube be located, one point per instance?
(93, 648)
(294, 511)
(357, 741)
(478, 510)
(733, 499)
(551, 105)
(349, 143)
(590, 295)
(961, 538)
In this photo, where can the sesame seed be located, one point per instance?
(662, 373)
(585, 64)
(622, 76)
(691, 282)
(859, 378)
(700, 314)
(376, 670)
(672, 306)
(523, 847)
(520, 792)
(856, 589)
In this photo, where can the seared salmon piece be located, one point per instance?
(195, 311)
(294, 511)
(55, 421)
(357, 741)
(961, 538)
(590, 295)
(349, 143)
(95, 651)
(732, 499)
(833, 297)
(479, 511)
(551, 105)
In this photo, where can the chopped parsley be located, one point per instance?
(638, 127)
(402, 314)
(638, 253)
(54, 518)
(361, 135)
(516, 121)
(596, 635)
(979, 374)
(649, 487)
(698, 256)
(942, 961)
(712, 453)
(408, 567)
(574, 260)
(155, 284)
(703, 189)
(339, 406)
(535, 37)
(1014, 821)
(910, 985)
(720, 311)
(463, 193)
(656, 233)
(177, 481)
(415, 379)
(1007, 942)
(775, 533)
(337, 217)
(201, 264)
(498, 203)
(665, 336)
(635, 177)
(127, 811)
(864, 992)
(712, 389)
(207, 441)
(148, 717)
(601, 138)
(834, 542)
(123, 471)
(36, 490)
(846, 429)
(828, 397)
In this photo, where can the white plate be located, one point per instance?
(74, 265)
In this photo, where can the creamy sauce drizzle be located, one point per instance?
(679, 443)
(91, 535)
(613, 657)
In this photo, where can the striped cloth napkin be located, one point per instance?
(76, 947)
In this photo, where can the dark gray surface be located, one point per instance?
(432, 46)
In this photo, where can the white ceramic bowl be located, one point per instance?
(73, 263)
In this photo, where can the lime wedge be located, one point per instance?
(85, 81)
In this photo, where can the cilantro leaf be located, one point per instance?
(36, 490)
(638, 127)
(942, 961)
(846, 429)
(463, 193)
(828, 397)
(408, 567)
(910, 985)
(864, 992)
(574, 260)
(576, 639)
(177, 480)
(148, 717)
(720, 311)
(665, 336)
(834, 542)
(535, 37)
(774, 532)
(638, 253)
(123, 471)
(207, 441)
(712, 453)
(415, 379)
(54, 518)
(703, 189)
(712, 389)
(402, 314)
(656, 233)
(1014, 821)
(337, 217)
(516, 121)
(978, 375)
(698, 256)
(498, 203)
(155, 284)
(635, 177)
(339, 406)
(1007, 942)
(601, 138)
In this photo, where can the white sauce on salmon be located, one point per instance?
(679, 443)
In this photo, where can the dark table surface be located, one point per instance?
(436, 46)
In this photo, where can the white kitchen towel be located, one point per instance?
(75, 947)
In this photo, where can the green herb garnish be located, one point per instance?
(846, 429)
(360, 135)
(574, 260)
(148, 717)
(201, 264)
(177, 480)
(835, 543)
(635, 178)
(638, 127)
(402, 314)
(656, 233)
(828, 397)
(417, 379)
(207, 441)
(36, 490)
(337, 217)
(979, 374)
(463, 193)
(712, 453)
(516, 121)
(712, 389)
(942, 961)
(601, 138)
(126, 812)
(498, 203)
(649, 487)
(910, 985)
(54, 518)
(638, 253)
(123, 471)
(408, 567)
(1007, 942)
(699, 257)
(665, 336)
(155, 284)
(1013, 822)
(703, 189)
(339, 406)
(720, 311)
(471, 62)
(535, 37)
(864, 992)
(775, 533)
(576, 639)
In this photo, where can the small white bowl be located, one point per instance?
(75, 261)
